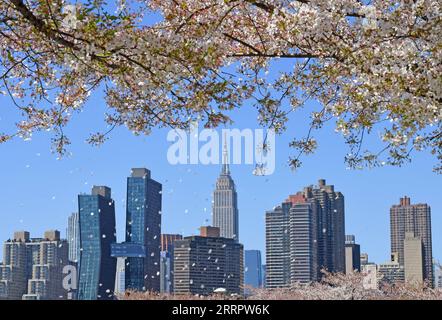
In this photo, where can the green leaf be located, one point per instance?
(10, 57)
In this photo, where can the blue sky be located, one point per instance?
(38, 192)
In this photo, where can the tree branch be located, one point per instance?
(52, 34)
(274, 55)
(39, 24)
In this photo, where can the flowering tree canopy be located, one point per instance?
(333, 286)
(374, 66)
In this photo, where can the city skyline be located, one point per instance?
(157, 150)
(313, 220)
(118, 212)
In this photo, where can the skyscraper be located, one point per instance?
(167, 261)
(143, 227)
(413, 259)
(97, 233)
(253, 268)
(73, 237)
(126, 253)
(415, 219)
(331, 236)
(14, 270)
(204, 264)
(352, 255)
(33, 267)
(225, 203)
(277, 247)
(46, 282)
(304, 235)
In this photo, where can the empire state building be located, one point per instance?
(225, 203)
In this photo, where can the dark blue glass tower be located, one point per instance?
(97, 232)
(143, 227)
(253, 268)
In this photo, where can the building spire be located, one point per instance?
(225, 168)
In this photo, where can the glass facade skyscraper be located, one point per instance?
(73, 237)
(143, 227)
(123, 252)
(97, 233)
(253, 268)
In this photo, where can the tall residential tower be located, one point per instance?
(33, 267)
(304, 235)
(46, 281)
(14, 271)
(414, 220)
